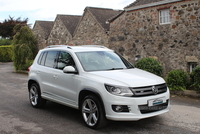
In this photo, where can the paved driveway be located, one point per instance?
(18, 117)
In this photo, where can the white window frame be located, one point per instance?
(164, 16)
(192, 65)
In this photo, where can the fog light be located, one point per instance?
(120, 108)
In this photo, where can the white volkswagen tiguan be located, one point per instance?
(97, 81)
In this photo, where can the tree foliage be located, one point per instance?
(24, 47)
(6, 27)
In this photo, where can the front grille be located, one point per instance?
(148, 91)
(144, 109)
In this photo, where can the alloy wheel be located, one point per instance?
(90, 112)
(33, 94)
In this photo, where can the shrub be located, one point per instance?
(26, 65)
(177, 80)
(150, 65)
(195, 78)
(6, 53)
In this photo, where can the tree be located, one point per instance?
(24, 47)
(6, 27)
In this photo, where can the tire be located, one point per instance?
(93, 112)
(35, 96)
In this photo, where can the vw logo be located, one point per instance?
(154, 89)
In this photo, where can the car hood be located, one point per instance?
(126, 77)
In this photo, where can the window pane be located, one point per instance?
(40, 58)
(51, 58)
(64, 59)
(164, 16)
(43, 58)
(100, 60)
(162, 20)
(192, 66)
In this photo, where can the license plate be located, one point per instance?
(157, 101)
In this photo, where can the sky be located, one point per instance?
(47, 10)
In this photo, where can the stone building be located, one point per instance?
(63, 29)
(41, 30)
(167, 30)
(92, 28)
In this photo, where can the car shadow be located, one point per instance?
(74, 115)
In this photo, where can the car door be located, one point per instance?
(65, 84)
(47, 66)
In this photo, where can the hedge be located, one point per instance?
(6, 53)
(4, 42)
(177, 80)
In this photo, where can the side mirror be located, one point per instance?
(70, 69)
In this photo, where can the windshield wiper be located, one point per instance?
(115, 68)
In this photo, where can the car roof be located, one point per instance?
(83, 48)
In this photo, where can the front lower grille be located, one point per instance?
(149, 90)
(144, 109)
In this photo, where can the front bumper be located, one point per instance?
(138, 107)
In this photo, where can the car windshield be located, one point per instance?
(102, 60)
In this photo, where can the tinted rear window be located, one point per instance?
(51, 59)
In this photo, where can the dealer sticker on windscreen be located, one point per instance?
(156, 101)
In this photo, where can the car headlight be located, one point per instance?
(119, 90)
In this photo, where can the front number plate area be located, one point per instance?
(157, 101)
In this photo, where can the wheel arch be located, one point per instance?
(86, 92)
(31, 81)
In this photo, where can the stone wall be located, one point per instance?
(40, 35)
(137, 34)
(89, 32)
(59, 34)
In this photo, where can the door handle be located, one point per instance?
(55, 77)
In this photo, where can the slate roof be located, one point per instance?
(70, 22)
(116, 16)
(142, 2)
(46, 26)
(103, 14)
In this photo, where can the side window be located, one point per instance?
(51, 59)
(64, 59)
(42, 58)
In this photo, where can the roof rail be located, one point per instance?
(94, 46)
(53, 46)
